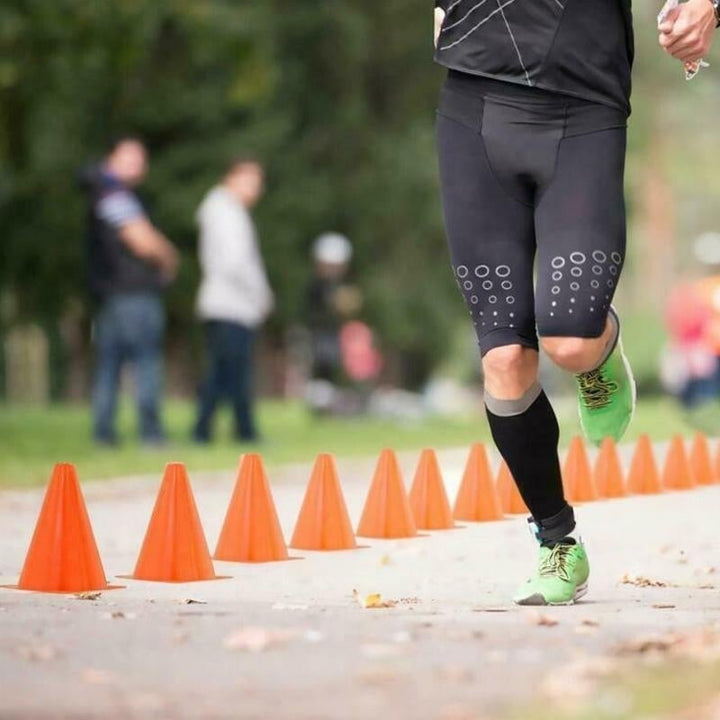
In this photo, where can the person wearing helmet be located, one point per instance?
(330, 302)
(531, 134)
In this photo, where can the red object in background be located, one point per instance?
(687, 314)
(360, 359)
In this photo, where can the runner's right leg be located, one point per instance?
(492, 243)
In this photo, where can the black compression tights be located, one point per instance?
(528, 172)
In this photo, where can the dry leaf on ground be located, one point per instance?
(118, 615)
(192, 601)
(698, 645)
(257, 639)
(663, 606)
(37, 653)
(538, 618)
(372, 601)
(88, 595)
(642, 581)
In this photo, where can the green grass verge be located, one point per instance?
(674, 690)
(33, 439)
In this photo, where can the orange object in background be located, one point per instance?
(577, 475)
(511, 501)
(387, 512)
(700, 462)
(323, 522)
(644, 477)
(609, 480)
(174, 549)
(63, 556)
(428, 499)
(477, 499)
(677, 473)
(251, 531)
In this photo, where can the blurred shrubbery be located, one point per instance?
(337, 97)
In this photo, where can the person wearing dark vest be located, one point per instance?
(531, 134)
(130, 263)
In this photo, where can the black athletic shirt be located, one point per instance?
(582, 48)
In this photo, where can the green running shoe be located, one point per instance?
(606, 398)
(561, 577)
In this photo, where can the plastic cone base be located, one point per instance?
(387, 512)
(644, 477)
(511, 501)
(677, 473)
(577, 475)
(174, 549)
(477, 499)
(323, 522)
(609, 480)
(428, 499)
(63, 556)
(700, 461)
(251, 532)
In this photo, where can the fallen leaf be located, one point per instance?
(641, 581)
(94, 676)
(88, 595)
(372, 601)
(706, 586)
(286, 606)
(590, 622)
(377, 651)
(118, 615)
(257, 639)
(385, 559)
(38, 653)
(663, 606)
(379, 676)
(192, 601)
(541, 619)
(490, 610)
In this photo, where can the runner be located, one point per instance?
(531, 138)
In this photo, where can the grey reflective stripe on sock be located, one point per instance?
(612, 342)
(510, 408)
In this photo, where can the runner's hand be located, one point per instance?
(687, 31)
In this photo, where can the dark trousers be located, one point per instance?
(128, 328)
(229, 377)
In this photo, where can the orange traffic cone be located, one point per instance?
(477, 499)
(608, 477)
(717, 464)
(677, 473)
(511, 501)
(428, 499)
(324, 523)
(387, 512)
(577, 475)
(700, 461)
(63, 556)
(174, 549)
(644, 478)
(251, 531)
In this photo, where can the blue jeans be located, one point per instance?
(229, 376)
(129, 328)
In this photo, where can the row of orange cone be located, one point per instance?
(63, 555)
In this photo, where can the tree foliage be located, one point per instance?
(336, 96)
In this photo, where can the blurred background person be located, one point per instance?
(234, 297)
(130, 262)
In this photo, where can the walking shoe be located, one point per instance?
(561, 577)
(606, 398)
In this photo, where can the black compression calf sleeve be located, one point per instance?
(528, 441)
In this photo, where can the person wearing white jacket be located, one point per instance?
(234, 297)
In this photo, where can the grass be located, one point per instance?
(674, 690)
(32, 439)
